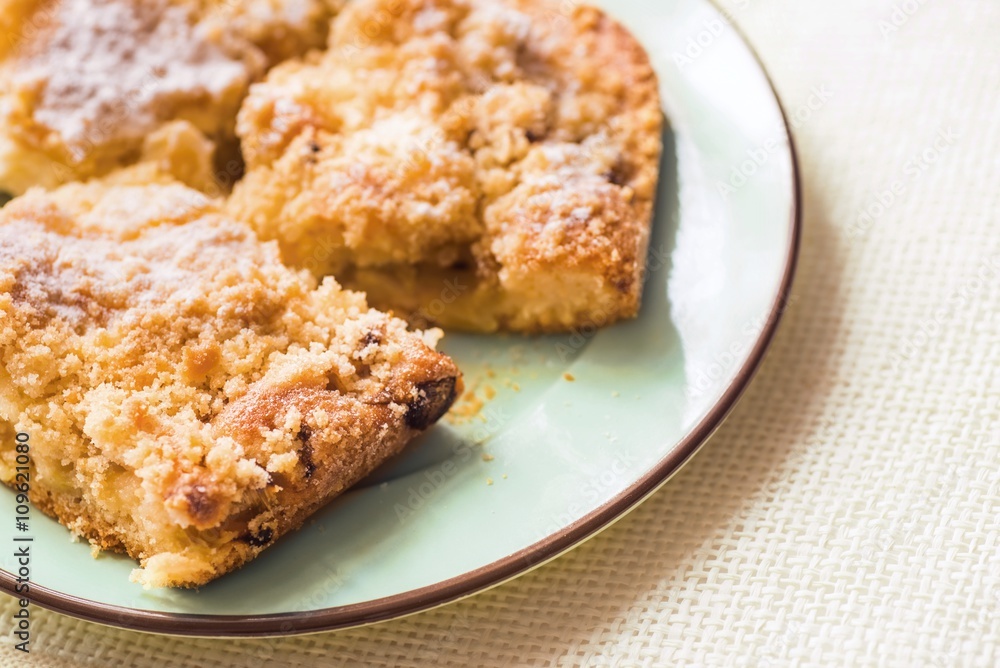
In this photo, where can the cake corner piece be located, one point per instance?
(521, 162)
(190, 400)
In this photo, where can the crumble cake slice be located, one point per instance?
(479, 164)
(190, 399)
(84, 82)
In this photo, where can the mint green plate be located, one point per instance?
(548, 461)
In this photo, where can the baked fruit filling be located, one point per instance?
(477, 164)
(83, 83)
(189, 398)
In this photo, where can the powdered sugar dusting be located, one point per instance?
(108, 70)
(124, 254)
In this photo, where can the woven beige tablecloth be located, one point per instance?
(848, 513)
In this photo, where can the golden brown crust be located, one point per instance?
(189, 398)
(519, 138)
(83, 82)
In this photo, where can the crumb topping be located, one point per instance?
(84, 82)
(155, 51)
(178, 378)
(516, 138)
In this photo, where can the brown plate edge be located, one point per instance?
(486, 577)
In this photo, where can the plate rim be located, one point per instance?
(498, 572)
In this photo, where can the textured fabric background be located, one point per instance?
(848, 513)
